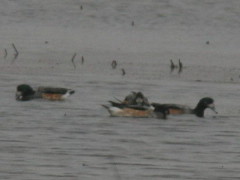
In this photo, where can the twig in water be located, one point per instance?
(180, 66)
(16, 51)
(172, 66)
(133, 23)
(82, 60)
(73, 57)
(5, 55)
(114, 64)
(123, 72)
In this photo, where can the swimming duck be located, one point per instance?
(123, 110)
(26, 92)
(135, 105)
(176, 109)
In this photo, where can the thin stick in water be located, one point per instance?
(82, 60)
(114, 64)
(73, 57)
(123, 72)
(5, 54)
(180, 66)
(15, 49)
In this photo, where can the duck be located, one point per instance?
(136, 98)
(25, 92)
(177, 109)
(123, 110)
(135, 105)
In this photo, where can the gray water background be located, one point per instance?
(76, 139)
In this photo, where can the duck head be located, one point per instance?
(24, 92)
(204, 103)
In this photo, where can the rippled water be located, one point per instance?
(76, 138)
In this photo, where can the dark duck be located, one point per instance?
(25, 92)
(176, 109)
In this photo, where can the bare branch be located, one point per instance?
(73, 57)
(5, 54)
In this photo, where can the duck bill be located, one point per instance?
(212, 107)
(18, 95)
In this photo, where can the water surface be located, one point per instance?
(76, 138)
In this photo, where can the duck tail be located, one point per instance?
(105, 106)
(71, 91)
(120, 101)
(68, 93)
